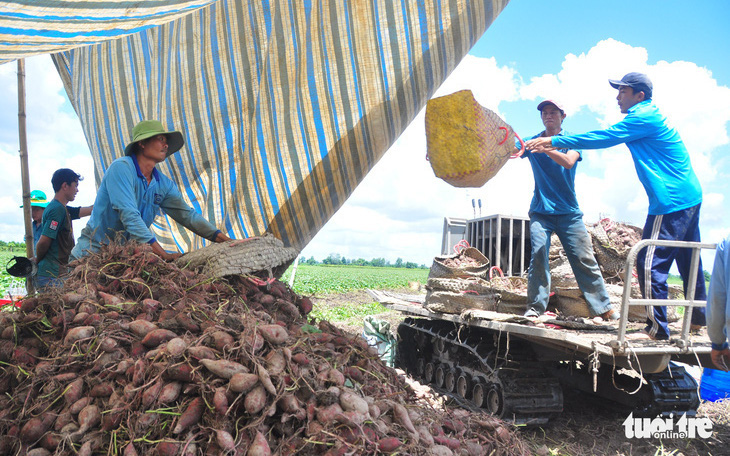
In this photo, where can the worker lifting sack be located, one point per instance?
(467, 144)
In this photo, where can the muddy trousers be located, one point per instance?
(578, 248)
(654, 262)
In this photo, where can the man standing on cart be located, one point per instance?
(554, 209)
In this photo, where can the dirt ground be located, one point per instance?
(587, 426)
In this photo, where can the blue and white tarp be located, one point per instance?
(284, 105)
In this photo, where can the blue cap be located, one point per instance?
(637, 81)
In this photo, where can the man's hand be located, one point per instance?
(721, 359)
(539, 144)
(220, 237)
(171, 256)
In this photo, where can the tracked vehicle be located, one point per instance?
(518, 369)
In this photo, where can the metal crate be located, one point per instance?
(503, 239)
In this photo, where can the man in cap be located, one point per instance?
(132, 193)
(57, 239)
(664, 168)
(38, 203)
(554, 209)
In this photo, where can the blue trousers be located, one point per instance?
(46, 283)
(577, 244)
(654, 262)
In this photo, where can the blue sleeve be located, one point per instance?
(175, 206)
(53, 221)
(121, 180)
(630, 129)
(717, 299)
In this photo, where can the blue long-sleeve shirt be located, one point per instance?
(554, 184)
(126, 203)
(660, 157)
(718, 299)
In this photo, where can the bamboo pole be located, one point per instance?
(24, 173)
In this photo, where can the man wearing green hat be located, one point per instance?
(133, 192)
(38, 203)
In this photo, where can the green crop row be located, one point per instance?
(315, 280)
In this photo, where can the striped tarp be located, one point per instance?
(284, 105)
(31, 27)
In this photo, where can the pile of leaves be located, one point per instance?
(138, 356)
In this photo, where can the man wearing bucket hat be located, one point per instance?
(133, 192)
(664, 168)
(554, 209)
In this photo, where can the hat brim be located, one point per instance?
(43, 205)
(617, 83)
(175, 142)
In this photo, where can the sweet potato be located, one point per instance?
(225, 440)
(78, 333)
(221, 340)
(326, 415)
(157, 336)
(129, 450)
(191, 416)
(138, 372)
(74, 391)
(275, 362)
(102, 390)
(34, 428)
(169, 393)
(401, 417)
(441, 450)
(265, 379)
(109, 300)
(389, 444)
(176, 347)
(306, 305)
(220, 401)
(224, 368)
(108, 345)
(141, 328)
(300, 358)
(38, 452)
(351, 401)
(112, 419)
(425, 436)
(201, 352)
(452, 444)
(149, 396)
(79, 405)
(274, 334)
(242, 383)
(89, 418)
(255, 400)
(167, 448)
(180, 373)
(259, 446)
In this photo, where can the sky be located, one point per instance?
(535, 49)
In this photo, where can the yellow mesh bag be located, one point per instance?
(467, 143)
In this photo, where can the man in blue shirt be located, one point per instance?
(133, 192)
(664, 169)
(554, 209)
(718, 307)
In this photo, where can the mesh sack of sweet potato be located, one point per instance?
(467, 144)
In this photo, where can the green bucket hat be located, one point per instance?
(38, 199)
(149, 128)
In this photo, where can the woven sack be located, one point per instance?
(470, 284)
(512, 293)
(456, 303)
(467, 144)
(469, 262)
(610, 254)
(241, 256)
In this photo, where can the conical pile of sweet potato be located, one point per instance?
(137, 356)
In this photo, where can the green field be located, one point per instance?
(315, 280)
(6, 279)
